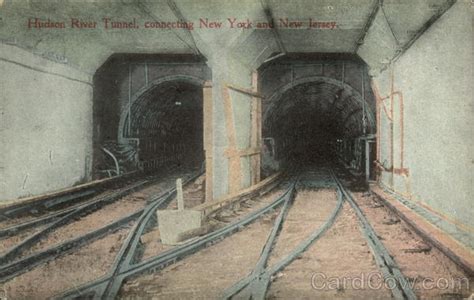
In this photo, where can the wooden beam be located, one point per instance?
(208, 138)
(244, 91)
(242, 152)
(211, 207)
(235, 172)
(256, 132)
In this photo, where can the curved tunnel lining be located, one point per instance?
(167, 122)
(122, 132)
(330, 111)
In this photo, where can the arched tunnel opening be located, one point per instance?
(167, 120)
(148, 113)
(326, 117)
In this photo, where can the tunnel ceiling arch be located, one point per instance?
(156, 107)
(319, 101)
(168, 109)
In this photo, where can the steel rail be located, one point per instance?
(391, 272)
(129, 248)
(24, 208)
(63, 198)
(15, 229)
(263, 259)
(23, 265)
(52, 202)
(108, 286)
(45, 219)
(17, 267)
(256, 284)
(84, 209)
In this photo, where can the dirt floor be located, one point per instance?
(64, 273)
(433, 274)
(23, 219)
(86, 263)
(193, 195)
(340, 254)
(153, 246)
(8, 242)
(339, 265)
(207, 273)
(310, 209)
(90, 222)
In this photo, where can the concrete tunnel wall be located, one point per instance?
(436, 83)
(46, 108)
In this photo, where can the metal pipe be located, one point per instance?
(367, 160)
(146, 74)
(392, 150)
(363, 102)
(129, 99)
(117, 168)
(343, 72)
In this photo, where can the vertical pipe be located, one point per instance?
(402, 132)
(367, 160)
(129, 99)
(179, 193)
(378, 129)
(363, 103)
(146, 73)
(255, 134)
(208, 138)
(392, 158)
(343, 72)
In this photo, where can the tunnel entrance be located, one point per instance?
(318, 112)
(166, 123)
(148, 113)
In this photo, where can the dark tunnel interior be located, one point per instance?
(148, 114)
(168, 122)
(319, 121)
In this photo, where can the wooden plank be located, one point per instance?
(458, 252)
(235, 171)
(208, 138)
(242, 152)
(255, 136)
(210, 207)
(43, 197)
(248, 92)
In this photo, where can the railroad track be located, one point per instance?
(62, 201)
(124, 267)
(16, 260)
(127, 264)
(256, 284)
